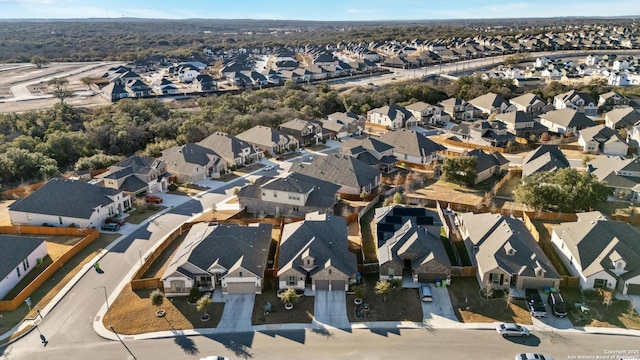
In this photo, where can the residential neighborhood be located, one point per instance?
(450, 213)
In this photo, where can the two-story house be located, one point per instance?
(307, 132)
(602, 139)
(136, 175)
(576, 100)
(521, 124)
(459, 109)
(233, 150)
(392, 117)
(492, 103)
(372, 151)
(269, 140)
(611, 100)
(292, 195)
(530, 103)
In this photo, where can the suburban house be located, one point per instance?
(292, 195)
(315, 252)
(307, 132)
(530, 103)
(427, 113)
(411, 147)
(409, 244)
(622, 118)
(353, 122)
(621, 175)
(63, 202)
(611, 100)
(137, 88)
(489, 164)
(190, 163)
(522, 124)
(492, 103)
(269, 140)
(579, 101)
(164, 86)
(392, 117)
(566, 121)
(602, 139)
(372, 151)
(544, 158)
(233, 150)
(19, 255)
(483, 132)
(459, 109)
(204, 83)
(601, 253)
(230, 256)
(353, 175)
(505, 253)
(136, 175)
(114, 91)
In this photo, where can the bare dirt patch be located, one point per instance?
(132, 313)
(444, 191)
(470, 306)
(302, 312)
(401, 305)
(58, 245)
(4, 212)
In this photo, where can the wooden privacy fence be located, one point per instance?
(89, 235)
(464, 271)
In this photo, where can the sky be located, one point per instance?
(313, 10)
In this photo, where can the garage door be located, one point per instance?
(633, 289)
(241, 288)
(431, 278)
(530, 283)
(337, 285)
(322, 284)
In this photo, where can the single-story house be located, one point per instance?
(412, 147)
(19, 255)
(620, 174)
(230, 256)
(602, 139)
(315, 252)
(601, 253)
(489, 164)
(191, 163)
(544, 158)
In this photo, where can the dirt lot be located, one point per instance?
(401, 305)
(444, 191)
(469, 306)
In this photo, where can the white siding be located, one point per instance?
(13, 279)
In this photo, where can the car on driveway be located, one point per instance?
(532, 356)
(508, 329)
(534, 303)
(114, 220)
(110, 227)
(153, 199)
(425, 293)
(268, 168)
(299, 150)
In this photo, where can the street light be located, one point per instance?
(106, 299)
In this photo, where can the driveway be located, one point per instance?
(440, 310)
(236, 315)
(331, 308)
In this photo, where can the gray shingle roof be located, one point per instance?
(15, 249)
(225, 145)
(607, 169)
(343, 170)
(494, 234)
(592, 241)
(266, 136)
(323, 237)
(623, 117)
(487, 161)
(227, 245)
(68, 198)
(184, 159)
(544, 158)
(405, 141)
(568, 118)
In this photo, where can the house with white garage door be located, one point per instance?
(602, 253)
(230, 256)
(315, 252)
(505, 253)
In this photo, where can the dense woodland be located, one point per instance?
(130, 39)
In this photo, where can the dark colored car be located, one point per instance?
(114, 220)
(110, 227)
(535, 304)
(557, 304)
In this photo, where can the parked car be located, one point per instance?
(215, 358)
(425, 293)
(268, 168)
(299, 150)
(114, 220)
(535, 304)
(532, 356)
(110, 227)
(507, 329)
(557, 304)
(153, 199)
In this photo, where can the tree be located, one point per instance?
(359, 291)
(383, 287)
(60, 88)
(585, 160)
(87, 81)
(565, 190)
(460, 170)
(157, 298)
(364, 194)
(289, 297)
(202, 305)
(39, 61)
(397, 198)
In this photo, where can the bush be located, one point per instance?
(173, 187)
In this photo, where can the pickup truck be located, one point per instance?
(535, 304)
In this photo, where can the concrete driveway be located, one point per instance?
(331, 308)
(236, 315)
(440, 310)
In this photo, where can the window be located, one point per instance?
(240, 273)
(292, 280)
(600, 283)
(28, 216)
(308, 262)
(25, 264)
(275, 194)
(18, 270)
(496, 279)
